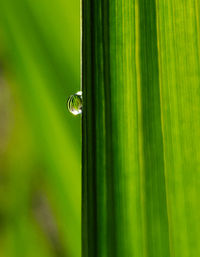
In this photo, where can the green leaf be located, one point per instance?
(141, 128)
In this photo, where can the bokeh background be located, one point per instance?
(40, 142)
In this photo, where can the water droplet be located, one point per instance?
(75, 103)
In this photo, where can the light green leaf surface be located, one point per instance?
(141, 128)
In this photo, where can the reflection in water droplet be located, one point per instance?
(75, 104)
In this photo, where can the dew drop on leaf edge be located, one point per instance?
(75, 103)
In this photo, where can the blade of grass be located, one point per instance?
(141, 128)
(179, 63)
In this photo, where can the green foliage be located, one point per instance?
(40, 197)
(141, 128)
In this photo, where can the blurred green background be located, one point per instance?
(40, 142)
